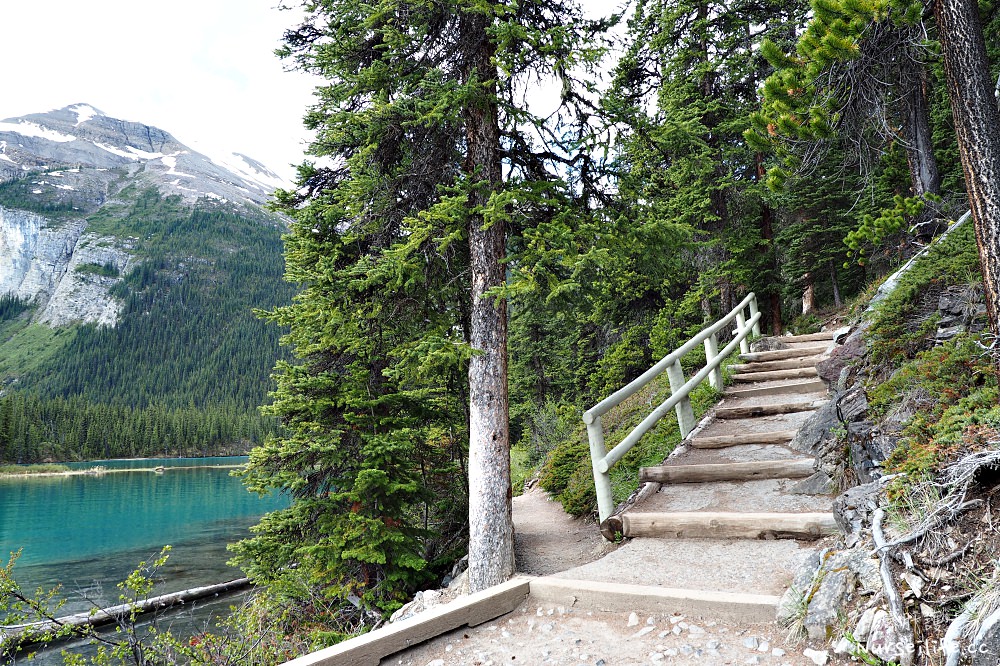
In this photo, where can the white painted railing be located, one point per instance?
(602, 459)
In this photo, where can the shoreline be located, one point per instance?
(102, 472)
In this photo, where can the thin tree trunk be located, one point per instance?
(808, 294)
(924, 175)
(491, 529)
(977, 120)
(767, 233)
(836, 287)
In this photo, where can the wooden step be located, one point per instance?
(624, 597)
(727, 525)
(781, 354)
(732, 471)
(808, 386)
(769, 366)
(807, 337)
(723, 441)
(767, 410)
(775, 374)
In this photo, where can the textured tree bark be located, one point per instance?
(977, 121)
(491, 528)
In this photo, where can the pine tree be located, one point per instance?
(401, 240)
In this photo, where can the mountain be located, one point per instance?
(129, 268)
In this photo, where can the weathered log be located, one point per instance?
(767, 366)
(766, 410)
(734, 471)
(777, 374)
(102, 616)
(726, 525)
(723, 441)
(807, 337)
(781, 354)
(801, 387)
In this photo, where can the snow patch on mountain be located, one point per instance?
(84, 112)
(30, 129)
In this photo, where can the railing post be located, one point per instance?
(602, 480)
(711, 351)
(741, 325)
(685, 415)
(753, 311)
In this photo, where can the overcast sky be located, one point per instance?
(203, 70)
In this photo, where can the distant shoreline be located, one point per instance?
(103, 471)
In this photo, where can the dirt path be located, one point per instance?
(547, 540)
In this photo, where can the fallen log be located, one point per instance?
(79, 622)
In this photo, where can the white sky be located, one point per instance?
(203, 70)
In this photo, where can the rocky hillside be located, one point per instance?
(129, 268)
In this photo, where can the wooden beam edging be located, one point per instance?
(621, 597)
(369, 649)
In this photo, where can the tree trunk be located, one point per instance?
(491, 528)
(767, 233)
(836, 287)
(924, 175)
(808, 294)
(977, 120)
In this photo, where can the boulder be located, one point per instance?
(841, 357)
(851, 509)
(825, 607)
(884, 641)
(986, 645)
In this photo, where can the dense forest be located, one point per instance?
(475, 265)
(697, 151)
(187, 365)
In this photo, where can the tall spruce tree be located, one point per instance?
(433, 167)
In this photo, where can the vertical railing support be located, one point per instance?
(685, 415)
(753, 311)
(741, 324)
(711, 351)
(602, 480)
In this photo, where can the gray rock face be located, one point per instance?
(54, 264)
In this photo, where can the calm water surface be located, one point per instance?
(87, 532)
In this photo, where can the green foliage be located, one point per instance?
(374, 404)
(567, 473)
(957, 386)
(26, 470)
(11, 307)
(107, 269)
(894, 334)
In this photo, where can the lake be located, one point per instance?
(87, 532)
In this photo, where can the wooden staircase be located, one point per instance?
(721, 520)
(746, 444)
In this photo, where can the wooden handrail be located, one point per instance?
(602, 459)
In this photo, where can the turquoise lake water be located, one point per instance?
(87, 532)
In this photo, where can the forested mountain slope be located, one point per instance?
(130, 268)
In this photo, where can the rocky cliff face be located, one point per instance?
(66, 271)
(60, 170)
